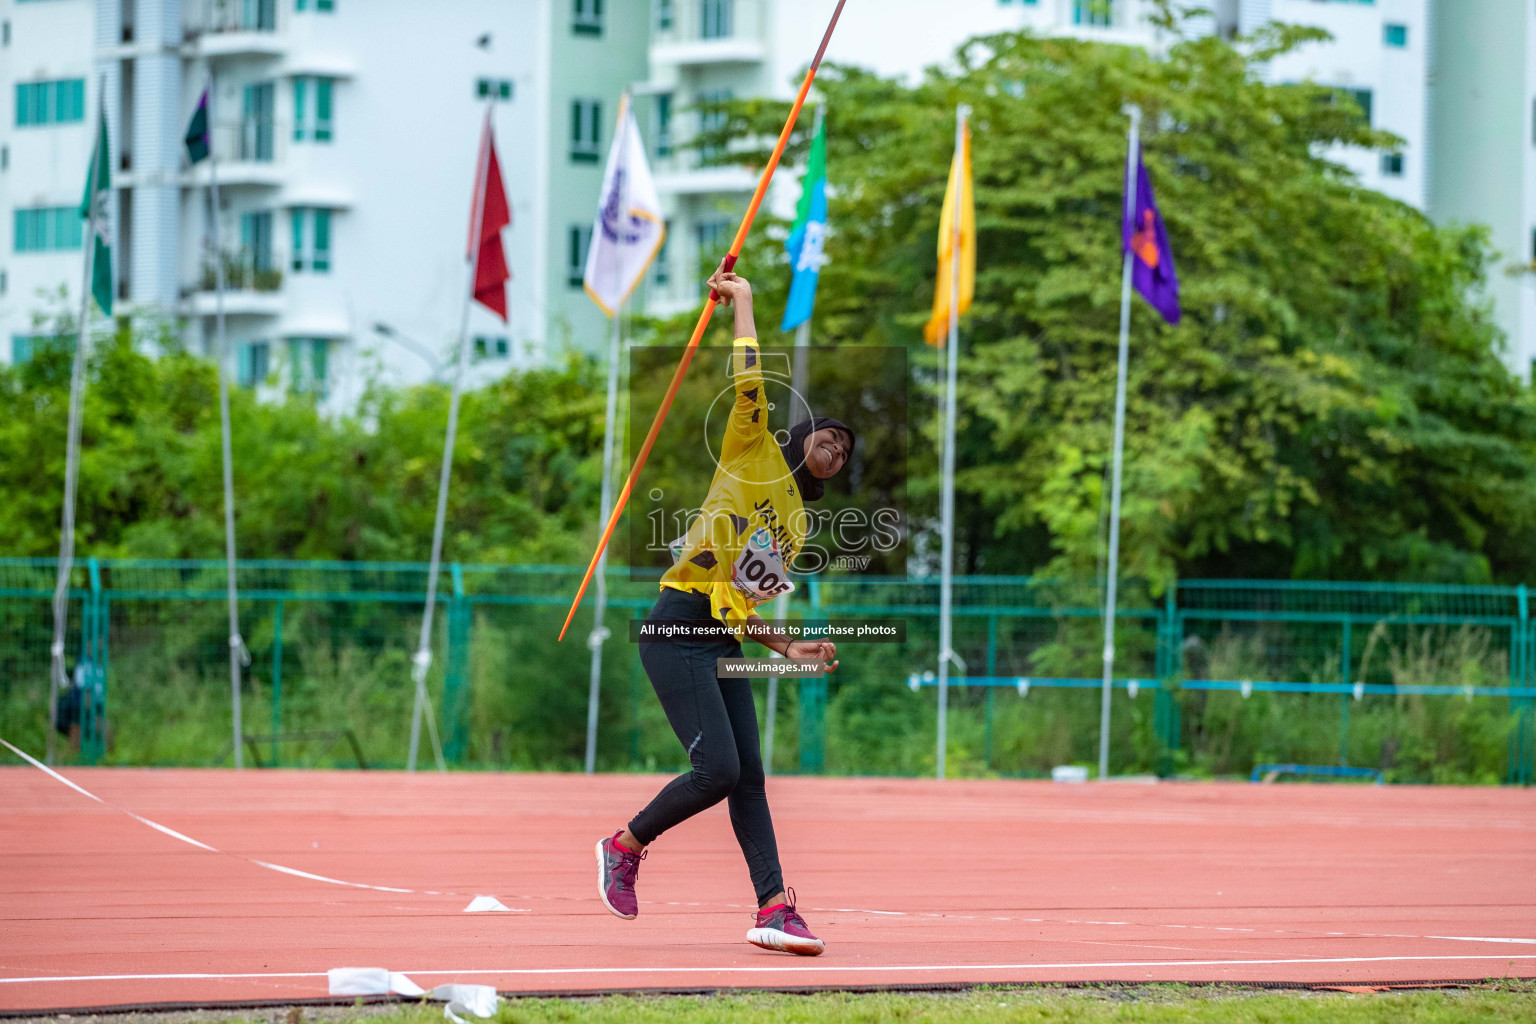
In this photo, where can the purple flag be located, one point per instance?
(1146, 240)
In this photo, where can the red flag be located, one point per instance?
(490, 203)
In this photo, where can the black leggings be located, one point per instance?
(716, 720)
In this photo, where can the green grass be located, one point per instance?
(1494, 1001)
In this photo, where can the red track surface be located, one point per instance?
(909, 881)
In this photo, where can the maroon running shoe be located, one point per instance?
(617, 868)
(780, 928)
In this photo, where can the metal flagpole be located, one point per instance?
(799, 409)
(599, 631)
(57, 677)
(237, 652)
(1114, 493)
(423, 658)
(946, 652)
(799, 385)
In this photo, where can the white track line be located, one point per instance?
(1143, 924)
(791, 966)
(295, 872)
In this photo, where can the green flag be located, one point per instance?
(197, 132)
(94, 208)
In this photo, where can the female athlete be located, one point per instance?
(733, 558)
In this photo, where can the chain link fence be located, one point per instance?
(1425, 683)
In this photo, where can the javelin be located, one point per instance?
(709, 310)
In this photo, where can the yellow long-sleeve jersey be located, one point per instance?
(753, 521)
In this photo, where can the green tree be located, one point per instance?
(357, 487)
(1333, 404)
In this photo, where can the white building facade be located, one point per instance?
(344, 134)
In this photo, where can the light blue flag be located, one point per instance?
(805, 242)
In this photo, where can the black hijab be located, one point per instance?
(811, 486)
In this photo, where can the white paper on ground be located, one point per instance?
(479, 1000)
(370, 981)
(486, 904)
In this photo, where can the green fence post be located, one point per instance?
(991, 675)
(636, 670)
(813, 706)
(1522, 734)
(92, 647)
(456, 671)
(1164, 707)
(103, 664)
(277, 677)
(1345, 647)
(1528, 664)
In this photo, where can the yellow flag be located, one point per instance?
(937, 328)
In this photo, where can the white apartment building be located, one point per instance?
(345, 134)
(1483, 169)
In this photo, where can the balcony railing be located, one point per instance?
(704, 21)
(249, 140)
(218, 16)
(244, 271)
(673, 155)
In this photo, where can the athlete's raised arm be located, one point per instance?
(735, 293)
(749, 413)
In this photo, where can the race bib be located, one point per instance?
(758, 571)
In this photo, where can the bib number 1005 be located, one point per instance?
(759, 570)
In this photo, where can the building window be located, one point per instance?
(308, 360)
(59, 102)
(48, 229)
(257, 123)
(1098, 13)
(500, 88)
(25, 347)
(5, 158)
(666, 16)
(578, 237)
(1392, 165)
(661, 271)
(319, 127)
(663, 124)
(228, 16)
(1362, 98)
(256, 251)
(586, 131)
(320, 6)
(311, 240)
(587, 17)
(713, 120)
(716, 18)
(4, 283)
(5, 34)
(494, 347)
(255, 363)
(1394, 35)
(712, 236)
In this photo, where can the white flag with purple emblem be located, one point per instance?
(629, 229)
